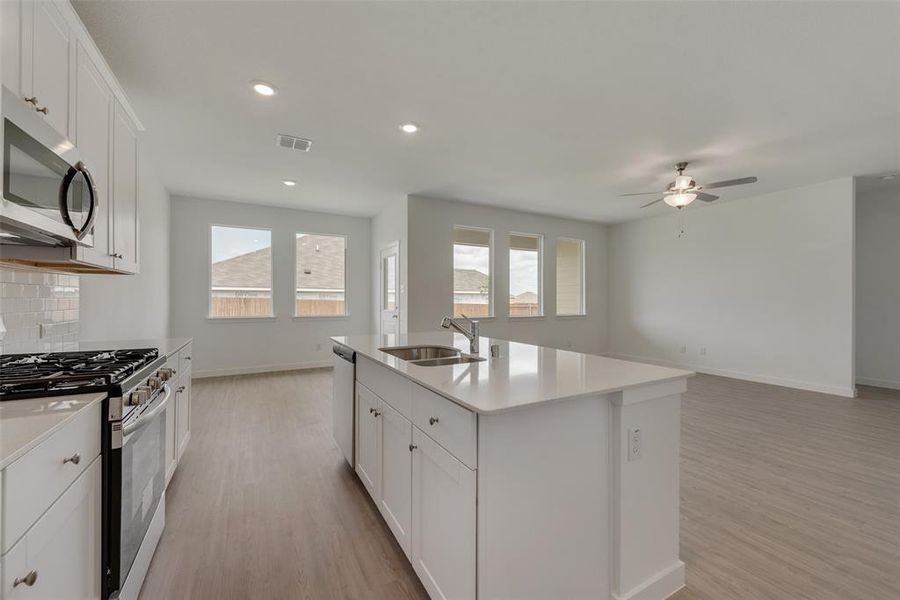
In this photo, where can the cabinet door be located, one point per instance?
(11, 40)
(50, 55)
(368, 439)
(93, 114)
(171, 441)
(443, 521)
(395, 501)
(183, 414)
(125, 200)
(62, 548)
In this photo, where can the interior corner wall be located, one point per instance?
(878, 287)
(228, 347)
(760, 288)
(132, 307)
(389, 226)
(430, 224)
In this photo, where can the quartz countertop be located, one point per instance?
(26, 423)
(524, 375)
(167, 346)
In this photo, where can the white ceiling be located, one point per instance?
(548, 107)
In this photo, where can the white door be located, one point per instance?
(396, 474)
(368, 440)
(124, 197)
(62, 549)
(182, 414)
(49, 75)
(443, 521)
(390, 289)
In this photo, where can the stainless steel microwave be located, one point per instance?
(49, 198)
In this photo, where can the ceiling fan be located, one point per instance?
(685, 190)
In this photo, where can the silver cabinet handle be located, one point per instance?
(180, 389)
(433, 420)
(376, 414)
(117, 255)
(27, 580)
(187, 358)
(412, 447)
(32, 100)
(371, 410)
(74, 459)
(43, 109)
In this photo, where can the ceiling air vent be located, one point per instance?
(292, 142)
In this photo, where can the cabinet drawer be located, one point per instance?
(387, 385)
(34, 482)
(185, 358)
(449, 424)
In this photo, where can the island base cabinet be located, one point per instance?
(368, 440)
(62, 549)
(443, 521)
(395, 500)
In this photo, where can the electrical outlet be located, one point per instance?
(683, 349)
(703, 351)
(634, 443)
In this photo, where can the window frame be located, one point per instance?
(583, 277)
(346, 313)
(209, 264)
(540, 273)
(491, 275)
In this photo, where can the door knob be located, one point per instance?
(27, 580)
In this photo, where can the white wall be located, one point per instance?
(878, 287)
(430, 272)
(226, 347)
(765, 284)
(131, 307)
(387, 227)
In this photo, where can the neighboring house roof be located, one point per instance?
(470, 280)
(321, 266)
(525, 298)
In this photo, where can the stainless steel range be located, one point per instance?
(134, 442)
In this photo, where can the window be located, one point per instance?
(525, 275)
(321, 289)
(569, 277)
(472, 272)
(241, 272)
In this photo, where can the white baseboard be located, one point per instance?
(882, 383)
(847, 392)
(312, 364)
(660, 586)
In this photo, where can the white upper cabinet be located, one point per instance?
(11, 49)
(93, 111)
(46, 65)
(125, 200)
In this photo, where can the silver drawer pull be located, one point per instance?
(433, 420)
(27, 580)
(43, 109)
(376, 414)
(412, 447)
(180, 389)
(371, 410)
(32, 100)
(74, 459)
(187, 358)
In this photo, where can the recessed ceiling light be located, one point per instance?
(409, 128)
(289, 182)
(263, 89)
(890, 177)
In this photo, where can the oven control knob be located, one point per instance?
(154, 382)
(139, 396)
(165, 373)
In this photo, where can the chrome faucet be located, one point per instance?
(471, 333)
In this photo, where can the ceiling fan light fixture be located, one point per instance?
(680, 200)
(682, 182)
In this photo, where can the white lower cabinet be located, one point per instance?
(171, 442)
(395, 499)
(59, 557)
(182, 414)
(368, 439)
(443, 521)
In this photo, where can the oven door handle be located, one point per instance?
(145, 419)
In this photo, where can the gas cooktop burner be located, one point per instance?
(30, 375)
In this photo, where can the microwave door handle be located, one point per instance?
(64, 197)
(145, 419)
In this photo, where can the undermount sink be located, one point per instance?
(421, 352)
(431, 356)
(451, 360)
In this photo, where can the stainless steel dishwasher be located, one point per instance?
(343, 402)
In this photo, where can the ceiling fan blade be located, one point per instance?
(652, 203)
(730, 182)
(638, 194)
(706, 197)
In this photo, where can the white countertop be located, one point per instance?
(26, 423)
(167, 346)
(523, 375)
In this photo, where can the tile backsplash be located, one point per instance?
(39, 311)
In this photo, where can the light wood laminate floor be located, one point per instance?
(785, 495)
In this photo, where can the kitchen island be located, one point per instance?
(539, 473)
